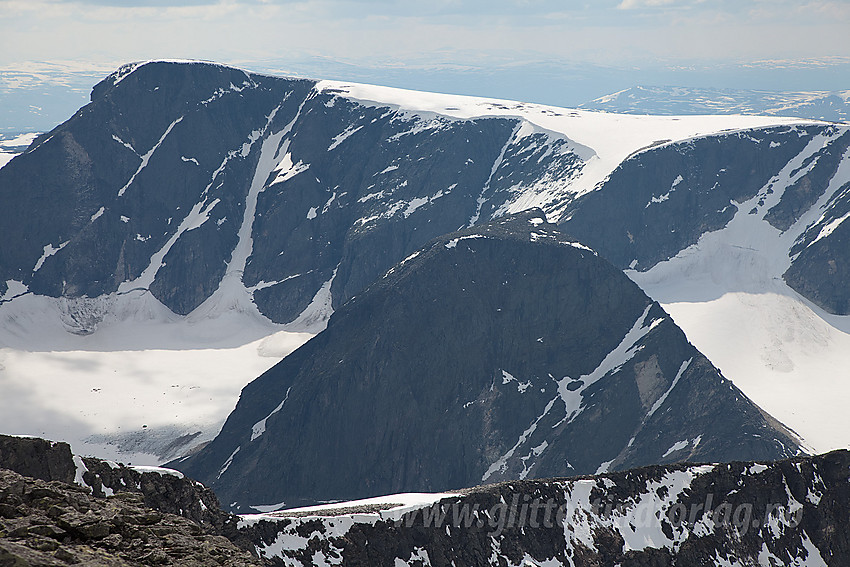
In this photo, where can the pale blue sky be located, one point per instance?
(560, 52)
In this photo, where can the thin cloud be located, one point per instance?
(636, 4)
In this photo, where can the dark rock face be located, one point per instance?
(121, 136)
(54, 523)
(504, 351)
(176, 173)
(822, 269)
(37, 458)
(792, 512)
(662, 200)
(803, 193)
(821, 265)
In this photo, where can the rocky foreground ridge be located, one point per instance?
(59, 509)
(788, 513)
(791, 512)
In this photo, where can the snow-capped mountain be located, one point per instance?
(193, 205)
(833, 106)
(208, 187)
(211, 188)
(499, 352)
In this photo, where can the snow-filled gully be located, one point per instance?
(146, 158)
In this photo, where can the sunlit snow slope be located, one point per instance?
(141, 389)
(728, 293)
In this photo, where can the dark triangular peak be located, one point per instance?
(499, 352)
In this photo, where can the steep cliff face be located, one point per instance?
(202, 183)
(126, 172)
(820, 263)
(504, 351)
(790, 183)
(739, 514)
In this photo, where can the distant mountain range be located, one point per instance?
(833, 106)
(195, 193)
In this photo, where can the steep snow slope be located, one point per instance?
(728, 293)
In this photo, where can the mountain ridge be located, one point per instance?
(234, 263)
(735, 514)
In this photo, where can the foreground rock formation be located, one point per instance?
(92, 512)
(794, 512)
(788, 513)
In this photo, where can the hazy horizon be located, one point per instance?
(560, 53)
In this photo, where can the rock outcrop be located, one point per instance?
(54, 523)
(37, 458)
(61, 509)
